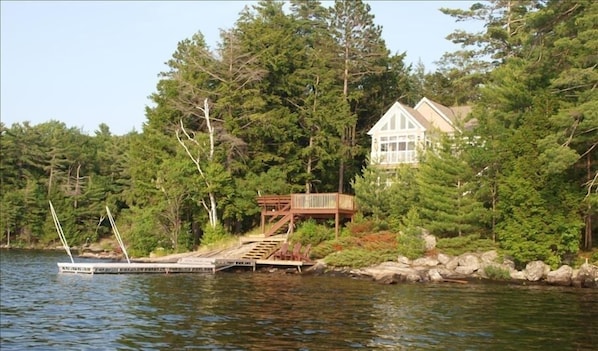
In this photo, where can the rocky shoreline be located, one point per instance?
(466, 268)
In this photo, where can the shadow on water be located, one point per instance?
(44, 310)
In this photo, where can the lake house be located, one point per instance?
(402, 129)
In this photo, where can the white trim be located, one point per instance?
(396, 107)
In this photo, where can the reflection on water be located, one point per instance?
(42, 309)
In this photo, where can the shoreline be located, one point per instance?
(463, 269)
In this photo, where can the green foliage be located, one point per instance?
(410, 241)
(448, 205)
(497, 273)
(214, 235)
(463, 244)
(292, 96)
(309, 232)
(357, 257)
(143, 234)
(384, 195)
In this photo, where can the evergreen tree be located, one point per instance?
(447, 205)
(361, 55)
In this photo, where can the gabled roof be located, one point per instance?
(408, 111)
(450, 114)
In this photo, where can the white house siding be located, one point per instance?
(395, 138)
(434, 117)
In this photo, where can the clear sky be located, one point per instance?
(91, 62)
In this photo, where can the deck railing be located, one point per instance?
(322, 201)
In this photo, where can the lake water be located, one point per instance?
(44, 310)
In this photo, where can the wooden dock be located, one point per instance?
(185, 265)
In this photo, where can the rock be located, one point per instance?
(509, 263)
(318, 268)
(469, 259)
(452, 264)
(392, 273)
(425, 261)
(489, 256)
(429, 240)
(443, 259)
(404, 260)
(434, 276)
(517, 275)
(468, 263)
(465, 270)
(536, 270)
(561, 276)
(587, 276)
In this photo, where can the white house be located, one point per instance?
(402, 129)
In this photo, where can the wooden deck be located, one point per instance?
(281, 211)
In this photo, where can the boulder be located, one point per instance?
(443, 259)
(425, 261)
(429, 240)
(561, 276)
(469, 259)
(452, 264)
(587, 276)
(466, 270)
(509, 263)
(392, 273)
(434, 276)
(404, 261)
(489, 256)
(318, 268)
(517, 275)
(468, 263)
(536, 270)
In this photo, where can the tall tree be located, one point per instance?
(361, 54)
(501, 37)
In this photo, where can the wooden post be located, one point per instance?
(336, 220)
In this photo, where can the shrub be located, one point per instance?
(309, 232)
(411, 245)
(326, 248)
(497, 272)
(462, 244)
(212, 235)
(379, 241)
(360, 226)
(358, 258)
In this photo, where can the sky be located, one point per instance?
(90, 62)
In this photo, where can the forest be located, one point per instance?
(283, 104)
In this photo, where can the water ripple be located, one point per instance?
(43, 310)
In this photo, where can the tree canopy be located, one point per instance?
(283, 104)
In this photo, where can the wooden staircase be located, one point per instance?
(263, 250)
(279, 225)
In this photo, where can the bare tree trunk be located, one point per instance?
(309, 166)
(77, 185)
(588, 216)
(344, 137)
(211, 208)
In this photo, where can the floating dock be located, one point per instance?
(188, 265)
(185, 265)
